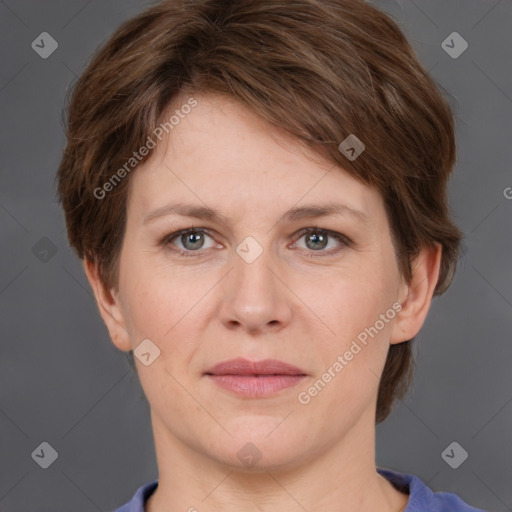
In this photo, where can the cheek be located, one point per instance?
(151, 294)
(352, 308)
(353, 359)
(355, 300)
(166, 306)
(161, 310)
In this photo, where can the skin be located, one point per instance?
(298, 302)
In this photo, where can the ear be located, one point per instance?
(416, 296)
(109, 306)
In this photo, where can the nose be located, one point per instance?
(255, 298)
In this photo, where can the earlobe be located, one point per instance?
(416, 296)
(109, 306)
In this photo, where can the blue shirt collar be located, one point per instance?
(421, 497)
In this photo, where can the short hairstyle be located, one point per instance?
(319, 70)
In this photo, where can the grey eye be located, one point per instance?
(316, 240)
(191, 240)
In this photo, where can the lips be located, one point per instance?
(255, 379)
(245, 367)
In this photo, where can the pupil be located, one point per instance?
(315, 238)
(194, 239)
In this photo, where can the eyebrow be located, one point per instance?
(301, 212)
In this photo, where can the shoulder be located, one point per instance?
(136, 504)
(422, 498)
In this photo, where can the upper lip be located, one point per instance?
(241, 366)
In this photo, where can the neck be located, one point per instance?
(342, 478)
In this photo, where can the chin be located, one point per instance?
(260, 444)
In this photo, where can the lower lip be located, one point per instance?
(252, 386)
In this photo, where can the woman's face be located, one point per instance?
(255, 285)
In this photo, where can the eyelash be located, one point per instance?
(344, 241)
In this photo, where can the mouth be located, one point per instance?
(255, 379)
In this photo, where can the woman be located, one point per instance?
(258, 191)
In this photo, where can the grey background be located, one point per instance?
(63, 382)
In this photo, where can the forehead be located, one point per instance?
(223, 156)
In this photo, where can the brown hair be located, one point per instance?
(318, 69)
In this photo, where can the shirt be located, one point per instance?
(421, 497)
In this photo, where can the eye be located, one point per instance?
(192, 240)
(317, 239)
